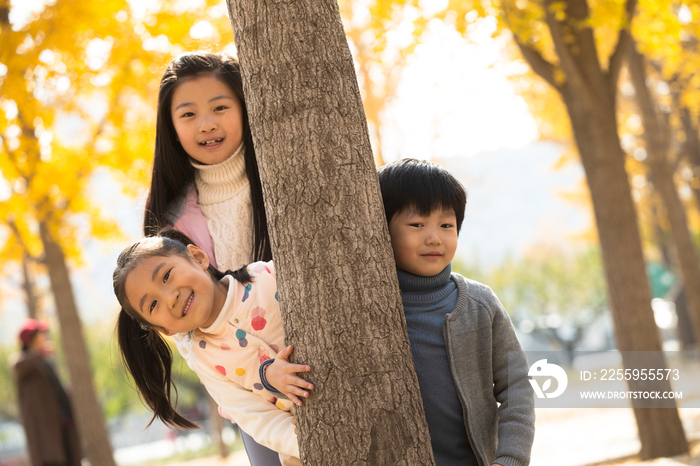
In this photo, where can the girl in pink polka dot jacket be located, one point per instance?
(166, 285)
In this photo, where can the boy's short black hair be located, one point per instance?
(425, 186)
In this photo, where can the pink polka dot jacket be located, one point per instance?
(247, 332)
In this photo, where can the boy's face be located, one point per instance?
(423, 245)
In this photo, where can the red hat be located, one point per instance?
(29, 329)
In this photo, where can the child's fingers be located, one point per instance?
(295, 392)
(294, 399)
(295, 381)
(304, 384)
(292, 368)
(285, 353)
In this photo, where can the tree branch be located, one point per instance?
(566, 58)
(617, 58)
(15, 230)
(5, 13)
(538, 63)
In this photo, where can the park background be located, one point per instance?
(441, 80)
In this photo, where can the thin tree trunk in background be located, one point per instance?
(684, 328)
(589, 94)
(217, 426)
(656, 135)
(29, 290)
(662, 242)
(692, 150)
(336, 275)
(89, 417)
(684, 325)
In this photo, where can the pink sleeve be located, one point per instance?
(193, 224)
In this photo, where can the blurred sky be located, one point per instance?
(455, 106)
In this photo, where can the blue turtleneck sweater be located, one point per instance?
(426, 302)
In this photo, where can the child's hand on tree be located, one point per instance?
(281, 374)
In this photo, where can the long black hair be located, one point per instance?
(172, 170)
(145, 353)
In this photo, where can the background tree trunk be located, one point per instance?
(217, 426)
(336, 275)
(656, 135)
(684, 325)
(589, 93)
(29, 290)
(660, 429)
(692, 150)
(89, 418)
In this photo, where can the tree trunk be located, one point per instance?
(660, 429)
(29, 290)
(89, 416)
(692, 149)
(589, 93)
(336, 275)
(656, 135)
(684, 325)
(660, 234)
(217, 426)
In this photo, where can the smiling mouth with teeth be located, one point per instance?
(187, 306)
(211, 143)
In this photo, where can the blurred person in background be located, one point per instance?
(45, 409)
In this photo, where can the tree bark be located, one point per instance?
(656, 135)
(29, 290)
(589, 94)
(89, 417)
(336, 275)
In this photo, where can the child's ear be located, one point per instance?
(199, 256)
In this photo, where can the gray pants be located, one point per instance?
(258, 454)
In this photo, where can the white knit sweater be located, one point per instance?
(224, 199)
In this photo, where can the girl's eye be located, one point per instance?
(153, 306)
(166, 276)
(220, 107)
(186, 115)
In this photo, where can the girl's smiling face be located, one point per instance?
(175, 294)
(208, 119)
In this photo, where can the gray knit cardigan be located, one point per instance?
(497, 399)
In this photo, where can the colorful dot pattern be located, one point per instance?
(252, 334)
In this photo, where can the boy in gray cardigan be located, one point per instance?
(460, 334)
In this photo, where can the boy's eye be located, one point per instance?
(153, 306)
(416, 225)
(166, 276)
(447, 225)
